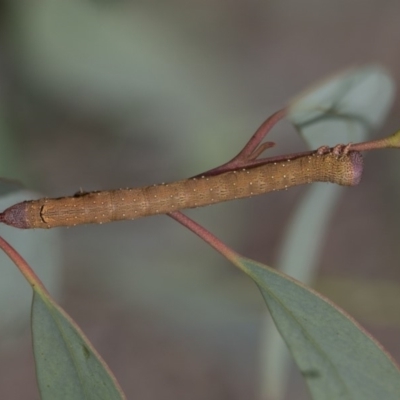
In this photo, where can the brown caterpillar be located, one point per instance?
(126, 204)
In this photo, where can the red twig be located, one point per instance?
(252, 149)
(22, 265)
(204, 234)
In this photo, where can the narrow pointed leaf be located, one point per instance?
(337, 358)
(67, 366)
(298, 257)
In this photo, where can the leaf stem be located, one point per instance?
(204, 234)
(392, 141)
(22, 265)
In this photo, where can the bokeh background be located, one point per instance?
(107, 94)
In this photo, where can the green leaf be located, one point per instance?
(336, 357)
(305, 231)
(344, 108)
(67, 366)
(340, 110)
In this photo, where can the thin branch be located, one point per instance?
(204, 234)
(252, 149)
(260, 134)
(392, 141)
(22, 265)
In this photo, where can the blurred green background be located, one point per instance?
(99, 95)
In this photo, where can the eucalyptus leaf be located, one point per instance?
(340, 110)
(344, 108)
(67, 366)
(337, 358)
(298, 257)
